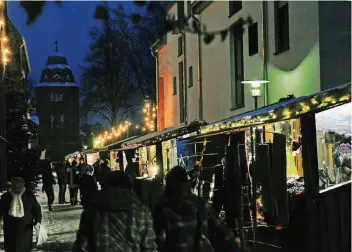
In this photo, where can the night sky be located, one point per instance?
(68, 24)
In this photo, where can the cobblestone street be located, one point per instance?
(61, 224)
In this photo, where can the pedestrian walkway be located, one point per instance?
(61, 224)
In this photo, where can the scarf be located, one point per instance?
(16, 207)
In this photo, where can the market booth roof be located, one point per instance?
(283, 110)
(117, 145)
(93, 150)
(164, 135)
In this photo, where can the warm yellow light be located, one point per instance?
(143, 129)
(137, 127)
(154, 115)
(1, 22)
(5, 60)
(6, 51)
(4, 39)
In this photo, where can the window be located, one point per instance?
(56, 97)
(190, 76)
(174, 85)
(181, 93)
(234, 7)
(237, 88)
(57, 121)
(334, 146)
(180, 45)
(253, 39)
(180, 10)
(281, 26)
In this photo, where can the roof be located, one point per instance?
(168, 132)
(57, 84)
(283, 110)
(164, 135)
(118, 143)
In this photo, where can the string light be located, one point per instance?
(5, 52)
(149, 111)
(115, 132)
(318, 101)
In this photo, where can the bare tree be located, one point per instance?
(106, 83)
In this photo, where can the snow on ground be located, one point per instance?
(61, 224)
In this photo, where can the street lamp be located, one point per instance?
(255, 89)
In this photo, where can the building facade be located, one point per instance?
(300, 47)
(58, 108)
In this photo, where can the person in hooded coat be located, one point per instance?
(184, 222)
(21, 212)
(88, 186)
(117, 221)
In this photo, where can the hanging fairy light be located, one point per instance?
(149, 112)
(114, 133)
(4, 46)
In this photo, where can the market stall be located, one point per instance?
(272, 167)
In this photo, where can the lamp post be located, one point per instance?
(255, 89)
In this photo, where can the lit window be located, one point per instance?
(56, 97)
(57, 121)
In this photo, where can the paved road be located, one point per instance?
(61, 224)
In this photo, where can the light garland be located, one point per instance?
(114, 133)
(319, 101)
(5, 52)
(149, 112)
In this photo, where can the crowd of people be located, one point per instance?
(113, 217)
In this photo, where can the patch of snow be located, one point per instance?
(57, 84)
(60, 66)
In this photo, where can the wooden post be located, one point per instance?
(311, 180)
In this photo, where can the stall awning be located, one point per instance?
(93, 150)
(283, 110)
(163, 135)
(72, 155)
(117, 145)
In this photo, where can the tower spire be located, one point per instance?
(56, 46)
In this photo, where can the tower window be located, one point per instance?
(56, 97)
(57, 77)
(57, 121)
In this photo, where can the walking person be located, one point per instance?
(117, 220)
(48, 181)
(88, 186)
(61, 171)
(73, 183)
(185, 222)
(21, 212)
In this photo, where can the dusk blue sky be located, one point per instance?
(69, 24)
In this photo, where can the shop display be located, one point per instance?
(333, 129)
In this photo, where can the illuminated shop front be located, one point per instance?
(290, 162)
(333, 130)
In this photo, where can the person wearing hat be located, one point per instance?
(21, 212)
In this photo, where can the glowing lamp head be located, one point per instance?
(256, 92)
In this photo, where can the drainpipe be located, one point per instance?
(156, 81)
(185, 86)
(199, 68)
(265, 49)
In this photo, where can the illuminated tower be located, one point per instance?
(58, 107)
